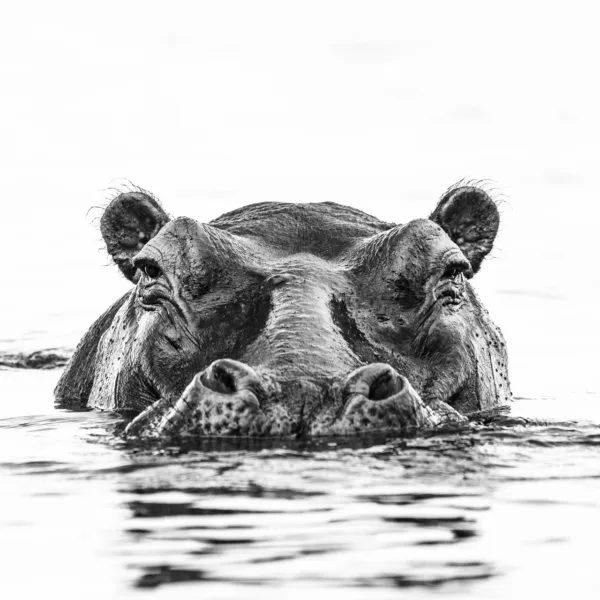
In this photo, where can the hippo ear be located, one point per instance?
(471, 219)
(127, 224)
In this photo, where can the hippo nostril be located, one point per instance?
(385, 385)
(227, 376)
(224, 378)
(377, 381)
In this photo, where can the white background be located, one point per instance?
(213, 105)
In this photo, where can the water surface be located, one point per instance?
(492, 512)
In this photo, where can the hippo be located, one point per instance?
(293, 320)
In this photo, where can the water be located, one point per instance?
(492, 512)
(368, 104)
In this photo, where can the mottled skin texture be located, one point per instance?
(293, 319)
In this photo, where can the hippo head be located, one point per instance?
(295, 319)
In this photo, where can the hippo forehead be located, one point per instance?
(325, 229)
(278, 231)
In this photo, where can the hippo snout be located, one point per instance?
(377, 398)
(229, 398)
(224, 399)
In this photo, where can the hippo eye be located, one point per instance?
(152, 271)
(456, 268)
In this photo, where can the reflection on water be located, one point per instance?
(482, 511)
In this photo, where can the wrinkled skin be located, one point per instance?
(291, 320)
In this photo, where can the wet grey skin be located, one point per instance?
(293, 320)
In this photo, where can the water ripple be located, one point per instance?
(450, 511)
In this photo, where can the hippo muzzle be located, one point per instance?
(230, 398)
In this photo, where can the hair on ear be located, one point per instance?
(130, 220)
(470, 217)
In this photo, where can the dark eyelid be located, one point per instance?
(142, 261)
(458, 264)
